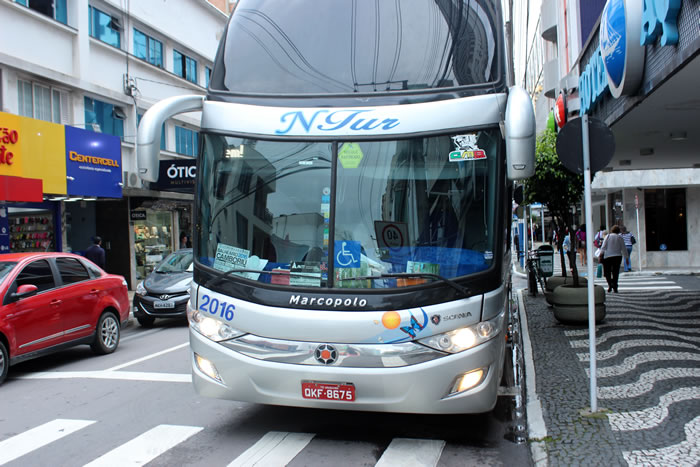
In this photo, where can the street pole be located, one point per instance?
(589, 264)
(639, 249)
(542, 218)
(532, 231)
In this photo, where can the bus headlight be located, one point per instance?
(209, 327)
(465, 338)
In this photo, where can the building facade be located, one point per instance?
(633, 65)
(93, 67)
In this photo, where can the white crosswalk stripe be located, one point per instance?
(146, 447)
(406, 452)
(274, 449)
(30, 440)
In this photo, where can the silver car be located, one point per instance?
(166, 291)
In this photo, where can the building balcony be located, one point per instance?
(548, 20)
(551, 78)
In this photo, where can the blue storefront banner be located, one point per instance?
(4, 230)
(93, 163)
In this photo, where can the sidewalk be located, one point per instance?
(648, 380)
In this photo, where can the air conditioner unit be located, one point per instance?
(132, 180)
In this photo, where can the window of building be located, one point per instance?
(55, 9)
(185, 141)
(42, 102)
(148, 48)
(104, 27)
(666, 224)
(185, 66)
(207, 76)
(103, 117)
(71, 270)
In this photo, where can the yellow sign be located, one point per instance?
(350, 155)
(38, 151)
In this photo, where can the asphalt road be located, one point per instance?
(137, 406)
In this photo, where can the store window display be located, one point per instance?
(152, 241)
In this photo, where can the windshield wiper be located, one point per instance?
(405, 275)
(225, 274)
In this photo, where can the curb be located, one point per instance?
(537, 430)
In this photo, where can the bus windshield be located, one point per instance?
(317, 214)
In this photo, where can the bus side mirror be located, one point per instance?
(520, 134)
(148, 139)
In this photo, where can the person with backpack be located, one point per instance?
(629, 239)
(599, 237)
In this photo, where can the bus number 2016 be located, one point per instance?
(213, 306)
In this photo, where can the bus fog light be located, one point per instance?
(468, 381)
(207, 367)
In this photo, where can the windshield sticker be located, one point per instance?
(306, 274)
(488, 254)
(422, 268)
(350, 155)
(347, 254)
(229, 257)
(280, 276)
(466, 149)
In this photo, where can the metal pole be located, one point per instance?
(589, 264)
(532, 231)
(639, 248)
(543, 239)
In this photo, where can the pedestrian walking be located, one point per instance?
(629, 239)
(613, 250)
(599, 237)
(581, 243)
(95, 252)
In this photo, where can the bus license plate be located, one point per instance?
(161, 304)
(328, 391)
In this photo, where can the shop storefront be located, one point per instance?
(59, 187)
(638, 74)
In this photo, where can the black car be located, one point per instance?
(165, 292)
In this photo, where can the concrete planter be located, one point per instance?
(571, 303)
(554, 282)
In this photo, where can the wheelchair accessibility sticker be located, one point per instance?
(347, 254)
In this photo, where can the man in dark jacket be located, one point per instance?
(96, 253)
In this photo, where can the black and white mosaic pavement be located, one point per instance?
(648, 374)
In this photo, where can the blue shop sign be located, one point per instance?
(93, 163)
(626, 27)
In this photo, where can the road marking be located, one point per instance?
(646, 382)
(405, 452)
(629, 344)
(652, 416)
(147, 446)
(121, 375)
(276, 448)
(23, 443)
(683, 454)
(143, 359)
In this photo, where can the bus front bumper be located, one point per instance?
(420, 388)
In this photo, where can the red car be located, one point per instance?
(51, 301)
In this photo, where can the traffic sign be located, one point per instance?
(392, 235)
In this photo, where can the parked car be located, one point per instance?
(166, 291)
(51, 301)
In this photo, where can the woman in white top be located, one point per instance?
(612, 251)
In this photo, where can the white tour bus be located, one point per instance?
(353, 204)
